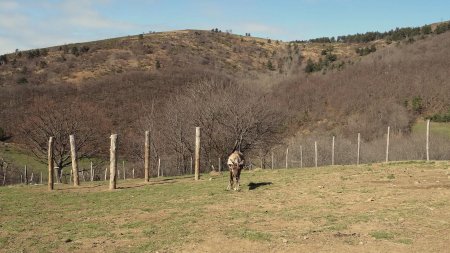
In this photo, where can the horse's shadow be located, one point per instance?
(252, 186)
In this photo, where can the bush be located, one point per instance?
(3, 135)
(22, 80)
(417, 104)
(441, 28)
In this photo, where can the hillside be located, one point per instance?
(398, 207)
(171, 82)
(77, 63)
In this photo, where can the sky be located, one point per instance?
(29, 24)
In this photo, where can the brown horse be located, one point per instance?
(235, 164)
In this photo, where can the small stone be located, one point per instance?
(361, 243)
(210, 179)
(305, 237)
(285, 240)
(401, 219)
(68, 240)
(370, 200)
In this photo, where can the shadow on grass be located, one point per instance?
(252, 186)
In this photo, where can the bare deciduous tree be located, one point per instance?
(51, 119)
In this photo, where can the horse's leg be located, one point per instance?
(231, 181)
(238, 176)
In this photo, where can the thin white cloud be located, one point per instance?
(55, 23)
(8, 5)
(261, 28)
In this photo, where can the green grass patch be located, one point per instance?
(382, 235)
(405, 241)
(436, 128)
(250, 234)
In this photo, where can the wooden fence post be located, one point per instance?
(272, 159)
(40, 179)
(32, 178)
(220, 165)
(133, 173)
(146, 158)
(197, 153)
(428, 140)
(387, 144)
(50, 164)
(287, 154)
(359, 147)
(106, 172)
(92, 173)
(26, 174)
(5, 167)
(124, 171)
(332, 152)
(159, 166)
(73, 152)
(315, 153)
(301, 157)
(113, 163)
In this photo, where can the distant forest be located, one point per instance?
(397, 34)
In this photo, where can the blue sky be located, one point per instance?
(27, 24)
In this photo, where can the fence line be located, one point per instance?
(303, 158)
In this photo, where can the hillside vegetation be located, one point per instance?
(243, 91)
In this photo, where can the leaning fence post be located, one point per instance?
(332, 152)
(113, 163)
(50, 164)
(197, 153)
(387, 144)
(428, 140)
(359, 146)
(146, 158)
(32, 178)
(315, 153)
(73, 152)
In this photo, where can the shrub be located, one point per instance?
(22, 80)
(3, 135)
(417, 104)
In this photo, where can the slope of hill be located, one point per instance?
(76, 63)
(125, 83)
(393, 86)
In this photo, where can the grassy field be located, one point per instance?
(397, 207)
(437, 128)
